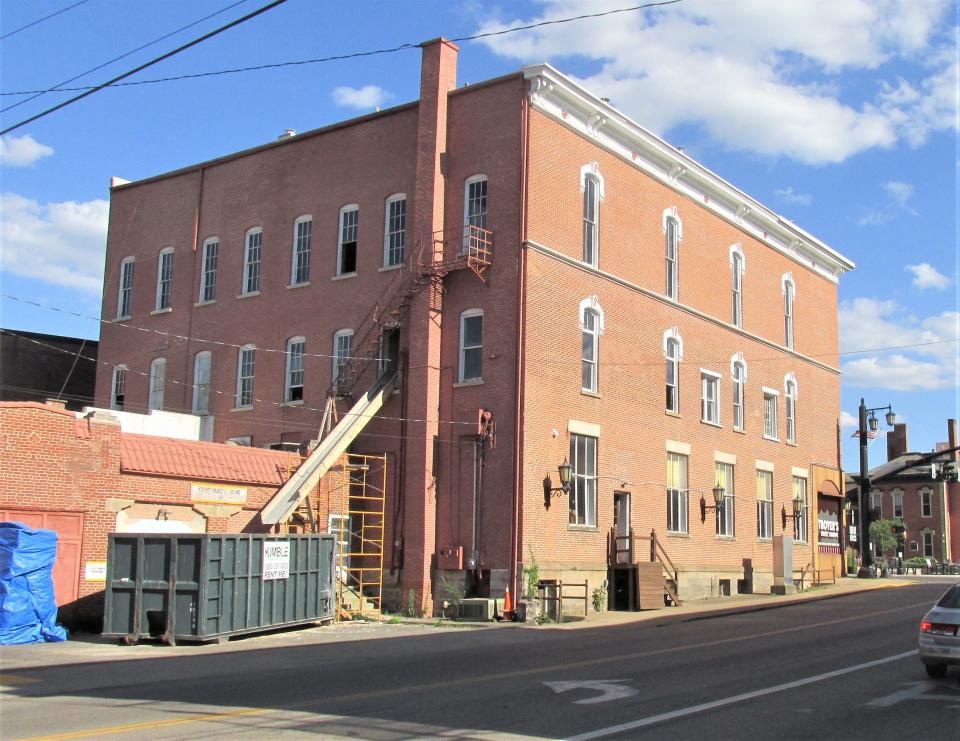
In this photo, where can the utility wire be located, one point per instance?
(162, 57)
(58, 87)
(542, 360)
(353, 55)
(41, 20)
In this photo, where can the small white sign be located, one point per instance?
(276, 559)
(218, 494)
(95, 571)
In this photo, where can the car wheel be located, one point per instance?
(936, 671)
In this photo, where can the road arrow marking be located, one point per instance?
(610, 689)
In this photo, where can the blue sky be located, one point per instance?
(842, 116)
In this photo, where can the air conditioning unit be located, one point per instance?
(477, 608)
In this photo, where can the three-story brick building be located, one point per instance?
(517, 247)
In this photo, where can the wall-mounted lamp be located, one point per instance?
(565, 470)
(718, 494)
(797, 503)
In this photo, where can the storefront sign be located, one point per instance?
(95, 571)
(217, 494)
(276, 559)
(828, 526)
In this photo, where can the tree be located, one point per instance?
(883, 535)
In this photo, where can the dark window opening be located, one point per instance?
(348, 258)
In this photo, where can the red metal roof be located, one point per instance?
(164, 456)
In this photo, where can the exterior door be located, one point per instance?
(621, 523)
(69, 529)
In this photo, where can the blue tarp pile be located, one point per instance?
(28, 607)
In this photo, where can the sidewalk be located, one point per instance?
(88, 648)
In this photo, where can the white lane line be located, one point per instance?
(693, 709)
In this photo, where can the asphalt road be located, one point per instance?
(838, 668)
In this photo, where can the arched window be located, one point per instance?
(790, 392)
(293, 380)
(591, 184)
(738, 379)
(673, 234)
(673, 353)
(158, 382)
(201, 382)
(300, 261)
(395, 230)
(736, 278)
(591, 328)
(208, 271)
(164, 279)
(789, 294)
(474, 212)
(246, 364)
(348, 237)
(252, 256)
(118, 387)
(125, 295)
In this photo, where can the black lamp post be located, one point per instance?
(565, 470)
(718, 494)
(868, 419)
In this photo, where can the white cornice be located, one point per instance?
(564, 100)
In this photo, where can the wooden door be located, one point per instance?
(69, 529)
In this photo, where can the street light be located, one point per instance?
(718, 494)
(868, 418)
(565, 470)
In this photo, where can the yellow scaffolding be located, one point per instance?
(359, 527)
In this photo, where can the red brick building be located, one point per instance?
(517, 246)
(84, 478)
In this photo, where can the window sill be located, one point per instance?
(249, 295)
(246, 408)
(792, 443)
(727, 538)
(161, 311)
(711, 424)
(765, 540)
(771, 439)
(671, 413)
(387, 268)
(583, 528)
(588, 392)
(205, 303)
(345, 276)
(298, 285)
(678, 535)
(740, 430)
(297, 403)
(123, 318)
(468, 382)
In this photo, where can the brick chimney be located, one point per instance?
(952, 437)
(897, 441)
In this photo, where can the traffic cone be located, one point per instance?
(507, 604)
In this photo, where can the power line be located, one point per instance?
(556, 359)
(352, 55)
(41, 20)
(162, 57)
(58, 88)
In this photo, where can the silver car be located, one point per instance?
(940, 634)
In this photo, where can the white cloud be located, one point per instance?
(898, 200)
(848, 420)
(363, 98)
(755, 80)
(22, 151)
(927, 276)
(790, 196)
(923, 352)
(59, 243)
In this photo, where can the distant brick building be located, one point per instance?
(35, 367)
(521, 247)
(85, 479)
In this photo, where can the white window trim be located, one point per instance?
(347, 332)
(897, 493)
(293, 251)
(593, 175)
(132, 261)
(113, 385)
(349, 208)
(247, 264)
(165, 251)
(579, 427)
(673, 334)
(678, 343)
(589, 503)
(236, 398)
(197, 381)
(672, 291)
(714, 377)
(592, 169)
(464, 315)
(736, 254)
(737, 360)
(479, 178)
(154, 396)
(929, 493)
(203, 270)
(789, 327)
(776, 413)
(673, 446)
(386, 230)
(791, 405)
(286, 375)
(592, 302)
